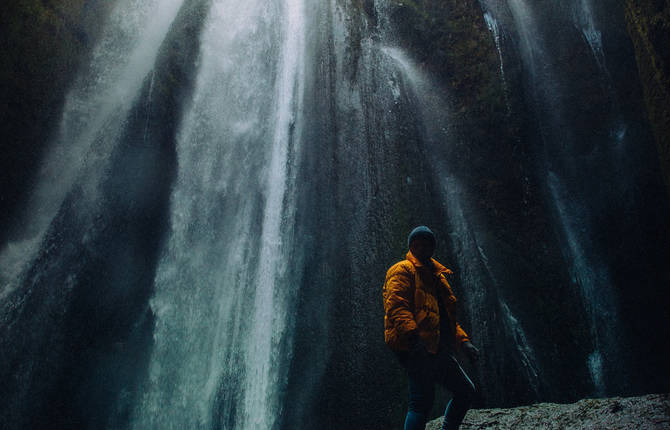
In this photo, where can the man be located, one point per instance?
(421, 328)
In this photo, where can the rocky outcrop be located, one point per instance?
(648, 25)
(651, 412)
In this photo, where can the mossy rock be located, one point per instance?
(649, 26)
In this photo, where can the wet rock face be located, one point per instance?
(617, 413)
(648, 23)
(364, 184)
(44, 43)
(99, 330)
(451, 40)
(493, 152)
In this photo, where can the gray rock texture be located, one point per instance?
(650, 412)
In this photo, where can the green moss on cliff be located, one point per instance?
(649, 26)
(452, 40)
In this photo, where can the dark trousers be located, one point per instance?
(424, 370)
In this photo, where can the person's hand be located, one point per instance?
(470, 351)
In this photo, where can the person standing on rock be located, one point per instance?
(421, 328)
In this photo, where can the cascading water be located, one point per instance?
(206, 240)
(492, 24)
(225, 283)
(93, 118)
(575, 209)
(51, 274)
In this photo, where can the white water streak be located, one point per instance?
(269, 323)
(492, 25)
(583, 18)
(592, 278)
(223, 292)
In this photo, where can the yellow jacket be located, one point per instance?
(410, 305)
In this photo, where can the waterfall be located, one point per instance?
(226, 280)
(205, 240)
(272, 298)
(92, 121)
(575, 208)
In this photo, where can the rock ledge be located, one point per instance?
(650, 412)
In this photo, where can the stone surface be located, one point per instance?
(43, 43)
(650, 412)
(648, 24)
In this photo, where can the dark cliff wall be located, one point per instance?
(342, 374)
(498, 148)
(649, 26)
(494, 154)
(44, 42)
(451, 39)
